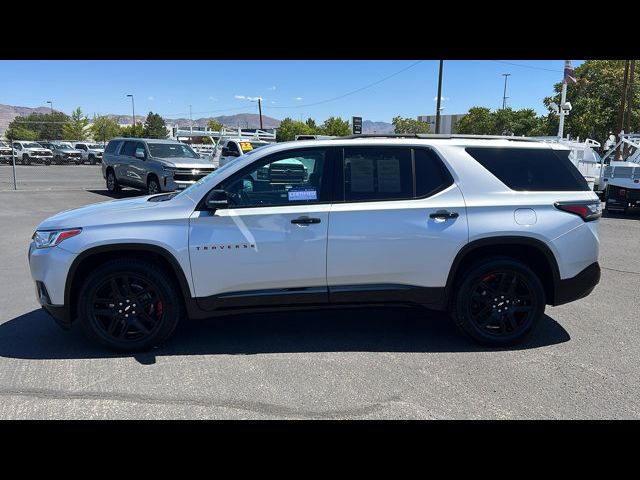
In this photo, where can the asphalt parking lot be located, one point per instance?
(386, 363)
(51, 177)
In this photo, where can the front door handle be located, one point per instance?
(305, 220)
(444, 214)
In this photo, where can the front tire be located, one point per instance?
(129, 305)
(153, 186)
(92, 159)
(112, 183)
(499, 302)
(26, 160)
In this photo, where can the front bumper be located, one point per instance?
(577, 287)
(49, 269)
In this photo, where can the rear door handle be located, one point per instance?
(444, 214)
(305, 220)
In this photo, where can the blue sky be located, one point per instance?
(288, 87)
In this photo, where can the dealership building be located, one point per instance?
(447, 122)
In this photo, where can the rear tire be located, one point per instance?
(499, 302)
(129, 305)
(112, 183)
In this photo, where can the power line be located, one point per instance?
(351, 92)
(527, 66)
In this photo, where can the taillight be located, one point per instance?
(588, 211)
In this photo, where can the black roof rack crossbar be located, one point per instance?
(438, 136)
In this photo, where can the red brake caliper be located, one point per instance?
(159, 309)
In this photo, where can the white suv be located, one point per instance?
(489, 229)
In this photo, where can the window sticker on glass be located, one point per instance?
(246, 146)
(302, 194)
(389, 175)
(361, 175)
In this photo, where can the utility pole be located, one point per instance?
(190, 120)
(133, 110)
(439, 97)
(627, 122)
(260, 111)
(52, 123)
(504, 93)
(622, 104)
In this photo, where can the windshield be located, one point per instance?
(3, 144)
(171, 150)
(32, 145)
(64, 145)
(95, 146)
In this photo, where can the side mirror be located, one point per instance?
(217, 199)
(140, 153)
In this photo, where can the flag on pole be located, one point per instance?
(569, 73)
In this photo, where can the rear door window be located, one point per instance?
(530, 169)
(377, 173)
(128, 149)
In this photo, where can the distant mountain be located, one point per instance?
(9, 112)
(243, 120)
(376, 127)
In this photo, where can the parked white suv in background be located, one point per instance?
(489, 229)
(91, 152)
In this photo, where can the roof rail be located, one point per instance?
(440, 136)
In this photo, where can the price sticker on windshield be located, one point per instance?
(246, 146)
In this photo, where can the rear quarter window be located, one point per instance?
(530, 169)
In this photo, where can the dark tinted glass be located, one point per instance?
(377, 174)
(431, 175)
(128, 149)
(111, 147)
(530, 169)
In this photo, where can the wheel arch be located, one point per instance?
(530, 251)
(93, 257)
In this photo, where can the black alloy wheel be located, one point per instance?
(129, 305)
(499, 302)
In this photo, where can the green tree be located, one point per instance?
(43, 125)
(19, 132)
(477, 121)
(311, 123)
(595, 101)
(505, 121)
(155, 126)
(76, 127)
(289, 128)
(214, 124)
(104, 129)
(128, 131)
(409, 125)
(334, 126)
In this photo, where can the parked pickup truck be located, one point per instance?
(63, 152)
(91, 152)
(5, 153)
(27, 152)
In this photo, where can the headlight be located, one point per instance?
(51, 238)
(168, 170)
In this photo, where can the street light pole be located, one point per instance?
(439, 97)
(504, 93)
(133, 110)
(52, 124)
(190, 120)
(260, 111)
